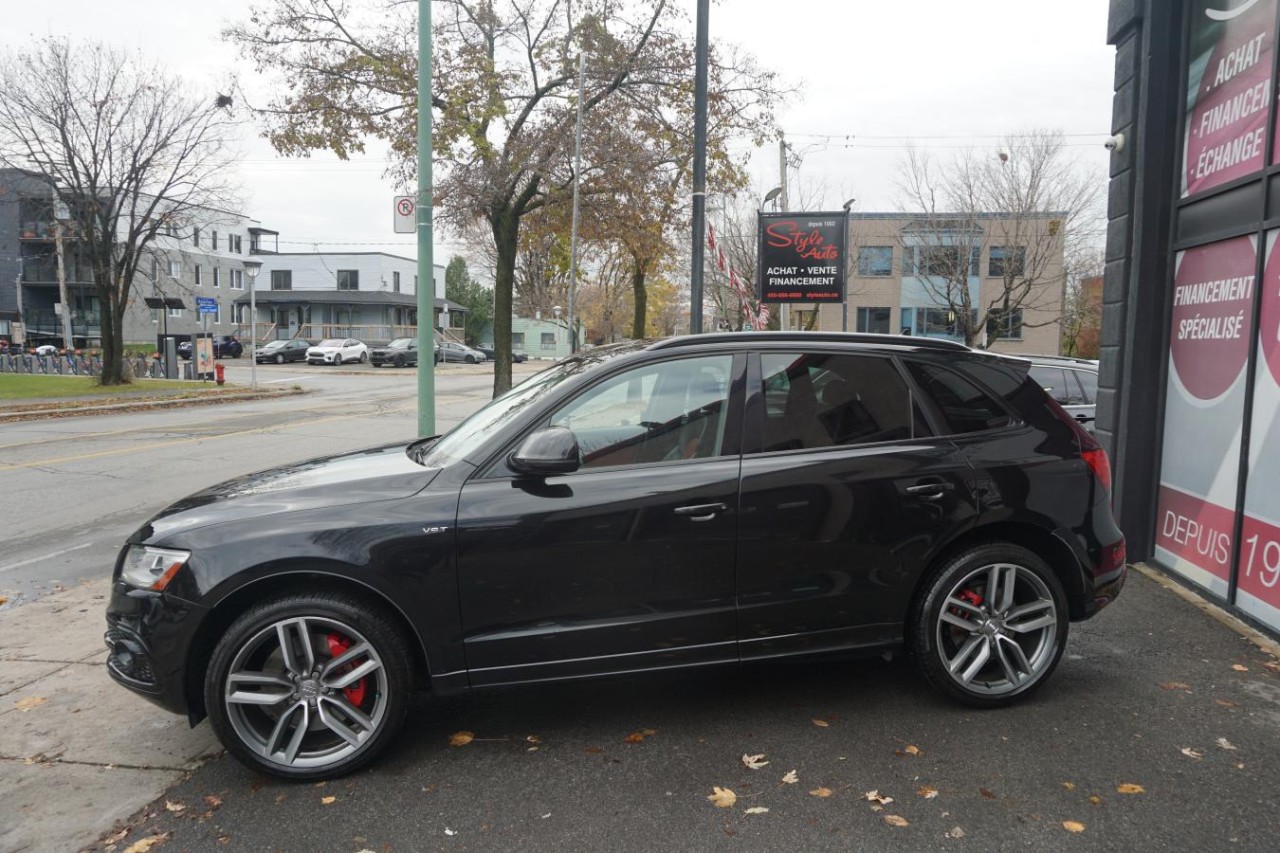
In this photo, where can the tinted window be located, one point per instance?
(963, 406)
(1089, 382)
(821, 400)
(1054, 382)
(655, 413)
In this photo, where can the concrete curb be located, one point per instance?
(1210, 609)
(37, 414)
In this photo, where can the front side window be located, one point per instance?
(815, 400)
(875, 260)
(656, 413)
(348, 279)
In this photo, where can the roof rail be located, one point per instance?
(812, 337)
(1072, 358)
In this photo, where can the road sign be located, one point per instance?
(206, 305)
(406, 220)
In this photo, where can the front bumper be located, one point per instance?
(327, 358)
(148, 636)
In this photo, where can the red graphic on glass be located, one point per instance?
(1269, 319)
(1226, 125)
(1195, 530)
(1259, 572)
(1212, 315)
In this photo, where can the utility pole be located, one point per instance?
(784, 310)
(577, 179)
(699, 168)
(67, 342)
(426, 289)
(21, 336)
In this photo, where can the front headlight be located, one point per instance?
(152, 568)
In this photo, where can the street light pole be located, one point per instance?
(848, 258)
(699, 169)
(251, 269)
(577, 179)
(426, 288)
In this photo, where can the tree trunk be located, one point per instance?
(112, 314)
(506, 240)
(639, 322)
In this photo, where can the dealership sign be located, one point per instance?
(802, 257)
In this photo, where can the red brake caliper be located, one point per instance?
(969, 596)
(338, 645)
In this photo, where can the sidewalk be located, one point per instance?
(77, 752)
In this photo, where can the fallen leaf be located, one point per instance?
(3, 600)
(171, 806)
(821, 792)
(29, 703)
(533, 739)
(912, 750)
(1272, 665)
(328, 800)
(754, 762)
(224, 840)
(895, 820)
(142, 845)
(1226, 703)
(1225, 744)
(927, 792)
(648, 732)
(594, 750)
(461, 738)
(1070, 786)
(1130, 788)
(635, 737)
(874, 796)
(757, 810)
(117, 837)
(280, 798)
(1095, 800)
(1191, 753)
(791, 778)
(1073, 826)
(1239, 667)
(722, 798)
(1175, 685)
(212, 800)
(820, 723)
(986, 793)
(955, 832)
(448, 831)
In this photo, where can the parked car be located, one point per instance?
(402, 352)
(638, 507)
(517, 357)
(278, 352)
(224, 346)
(1073, 382)
(338, 351)
(451, 351)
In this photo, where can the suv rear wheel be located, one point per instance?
(308, 686)
(990, 626)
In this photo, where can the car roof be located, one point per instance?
(897, 342)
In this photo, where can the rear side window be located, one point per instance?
(1054, 382)
(815, 400)
(1089, 382)
(963, 405)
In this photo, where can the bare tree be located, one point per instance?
(1082, 309)
(129, 150)
(1023, 210)
(504, 96)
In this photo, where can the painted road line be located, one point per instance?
(44, 557)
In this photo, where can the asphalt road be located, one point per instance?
(1145, 682)
(72, 489)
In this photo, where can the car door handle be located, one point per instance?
(1083, 418)
(929, 491)
(701, 512)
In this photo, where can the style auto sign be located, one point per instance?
(802, 257)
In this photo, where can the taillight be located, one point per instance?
(1099, 464)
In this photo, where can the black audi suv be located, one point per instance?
(703, 500)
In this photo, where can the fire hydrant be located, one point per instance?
(219, 374)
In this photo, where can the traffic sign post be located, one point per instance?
(206, 305)
(405, 216)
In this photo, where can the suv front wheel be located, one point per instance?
(990, 626)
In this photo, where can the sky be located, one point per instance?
(874, 77)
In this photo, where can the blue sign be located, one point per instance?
(207, 304)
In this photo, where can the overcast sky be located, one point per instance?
(876, 76)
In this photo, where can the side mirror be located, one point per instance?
(552, 450)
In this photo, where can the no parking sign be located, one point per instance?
(405, 218)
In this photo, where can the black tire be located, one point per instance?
(965, 644)
(279, 358)
(471, 359)
(399, 362)
(337, 360)
(240, 726)
(364, 356)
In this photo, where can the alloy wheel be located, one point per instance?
(306, 692)
(996, 632)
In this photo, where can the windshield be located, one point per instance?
(401, 343)
(467, 436)
(330, 343)
(274, 345)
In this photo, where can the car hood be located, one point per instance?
(382, 473)
(323, 349)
